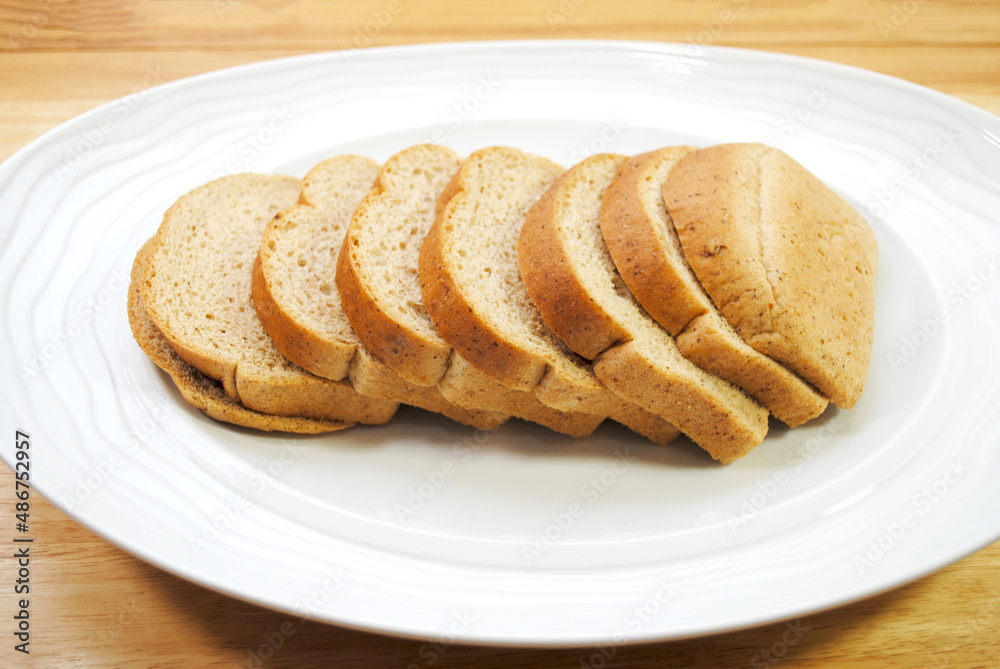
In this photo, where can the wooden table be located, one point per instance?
(94, 605)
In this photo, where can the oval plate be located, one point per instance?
(427, 529)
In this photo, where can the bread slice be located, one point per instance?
(787, 261)
(473, 290)
(643, 243)
(200, 391)
(380, 291)
(572, 280)
(296, 296)
(196, 289)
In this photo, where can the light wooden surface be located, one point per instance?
(93, 605)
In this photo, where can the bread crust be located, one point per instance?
(549, 275)
(468, 386)
(640, 237)
(205, 359)
(238, 208)
(510, 348)
(457, 319)
(370, 377)
(419, 359)
(311, 348)
(639, 246)
(788, 262)
(634, 357)
(786, 396)
(430, 361)
(726, 435)
(320, 355)
(329, 194)
(200, 391)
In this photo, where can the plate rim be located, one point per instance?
(129, 546)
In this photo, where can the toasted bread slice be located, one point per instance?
(196, 289)
(473, 290)
(786, 260)
(380, 291)
(298, 303)
(202, 392)
(572, 280)
(643, 243)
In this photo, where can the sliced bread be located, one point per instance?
(381, 294)
(298, 302)
(473, 291)
(572, 280)
(647, 253)
(204, 393)
(196, 289)
(789, 263)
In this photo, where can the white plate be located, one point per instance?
(520, 536)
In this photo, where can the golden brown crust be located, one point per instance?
(195, 352)
(417, 359)
(491, 323)
(639, 247)
(205, 294)
(725, 435)
(790, 399)
(200, 391)
(789, 264)
(563, 301)
(641, 239)
(456, 318)
(370, 377)
(309, 396)
(432, 362)
(330, 193)
(466, 385)
(713, 197)
(639, 360)
(321, 356)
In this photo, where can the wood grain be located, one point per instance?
(93, 605)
